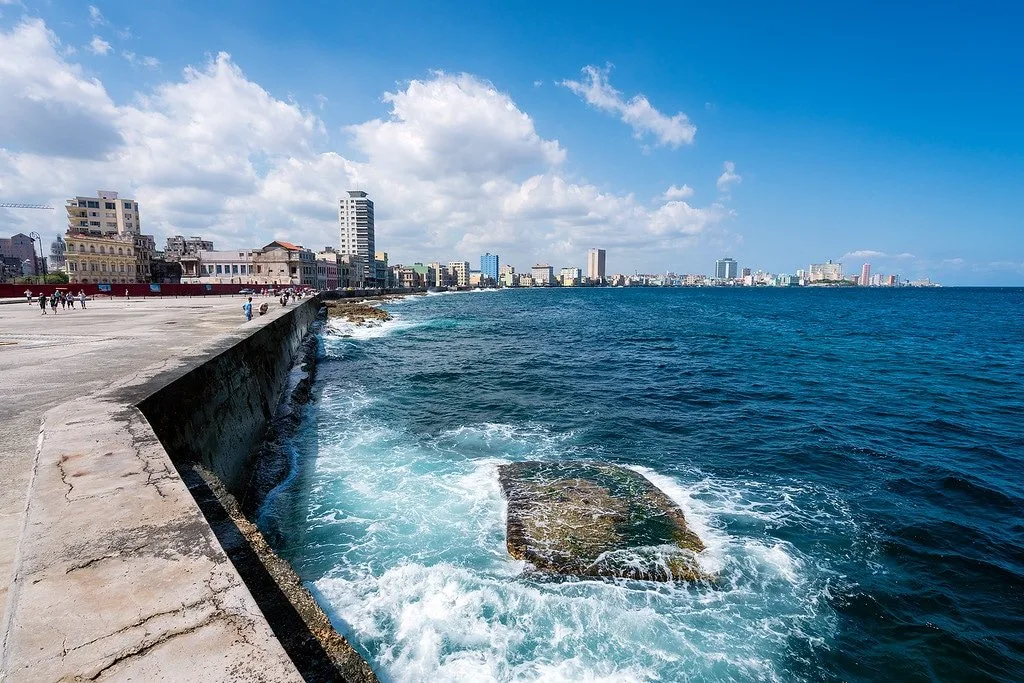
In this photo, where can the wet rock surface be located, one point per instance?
(595, 519)
(356, 312)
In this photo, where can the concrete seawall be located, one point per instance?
(134, 561)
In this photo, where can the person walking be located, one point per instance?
(42, 303)
(28, 296)
(70, 298)
(53, 303)
(63, 302)
(81, 298)
(247, 309)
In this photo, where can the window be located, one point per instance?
(128, 205)
(220, 270)
(103, 250)
(92, 248)
(109, 205)
(129, 251)
(243, 270)
(94, 223)
(93, 205)
(120, 251)
(72, 266)
(234, 269)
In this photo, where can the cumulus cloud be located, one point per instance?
(674, 192)
(454, 165)
(98, 46)
(49, 106)
(729, 177)
(596, 90)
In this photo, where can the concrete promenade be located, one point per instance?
(101, 492)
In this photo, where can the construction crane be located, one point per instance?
(17, 205)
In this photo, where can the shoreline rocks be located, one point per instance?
(356, 312)
(595, 519)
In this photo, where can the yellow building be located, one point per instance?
(95, 259)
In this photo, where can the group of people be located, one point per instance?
(63, 299)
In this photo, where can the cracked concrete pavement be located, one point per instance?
(107, 504)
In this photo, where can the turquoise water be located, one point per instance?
(853, 460)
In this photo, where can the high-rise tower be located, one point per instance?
(595, 265)
(355, 218)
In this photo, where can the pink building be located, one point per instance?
(865, 274)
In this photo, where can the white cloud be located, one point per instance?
(875, 254)
(538, 83)
(638, 112)
(674, 192)
(135, 60)
(728, 177)
(455, 166)
(96, 17)
(98, 46)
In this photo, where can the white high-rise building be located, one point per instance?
(595, 265)
(355, 217)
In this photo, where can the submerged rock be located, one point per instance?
(592, 519)
(357, 312)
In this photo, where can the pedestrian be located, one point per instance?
(42, 303)
(247, 309)
(62, 300)
(53, 303)
(28, 296)
(70, 298)
(126, 295)
(81, 298)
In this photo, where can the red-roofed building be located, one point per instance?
(284, 263)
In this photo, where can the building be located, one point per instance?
(489, 267)
(178, 246)
(745, 272)
(327, 269)
(543, 275)
(459, 273)
(165, 272)
(570, 277)
(596, 265)
(351, 274)
(442, 277)
(355, 218)
(21, 247)
(726, 269)
(507, 277)
(110, 222)
(102, 259)
(381, 272)
(827, 272)
(237, 267)
(865, 274)
(287, 264)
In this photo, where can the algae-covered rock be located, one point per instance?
(592, 519)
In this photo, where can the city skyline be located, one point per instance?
(536, 157)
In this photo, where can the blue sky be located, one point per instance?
(857, 132)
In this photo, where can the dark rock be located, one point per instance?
(592, 519)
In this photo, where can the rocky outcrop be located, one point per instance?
(356, 312)
(593, 519)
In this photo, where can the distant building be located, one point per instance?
(355, 218)
(570, 276)
(235, 267)
(865, 274)
(745, 272)
(21, 247)
(828, 271)
(381, 272)
(726, 269)
(543, 275)
(327, 269)
(489, 267)
(507, 277)
(284, 263)
(442, 276)
(459, 272)
(103, 259)
(178, 246)
(596, 265)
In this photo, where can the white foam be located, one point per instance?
(372, 330)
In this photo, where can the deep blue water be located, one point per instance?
(854, 460)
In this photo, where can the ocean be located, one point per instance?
(852, 458)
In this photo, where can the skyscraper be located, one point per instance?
(595, 265)
(355, 217)
(489, 266)
(726, 269)
(865, 274)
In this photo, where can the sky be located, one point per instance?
(670, 136)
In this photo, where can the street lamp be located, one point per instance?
(35, 237)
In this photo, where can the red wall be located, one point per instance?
(136, 290)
